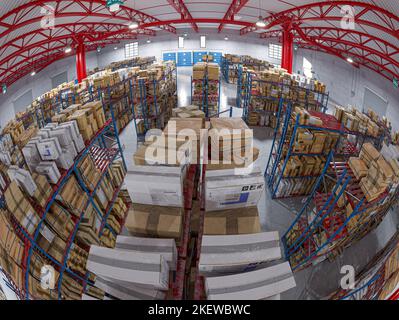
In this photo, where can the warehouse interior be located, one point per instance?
(198, 150)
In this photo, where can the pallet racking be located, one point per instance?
(255, 103)
(325, 225)
(105, 149)
(378, 280)
(283, 149)
(206, 94)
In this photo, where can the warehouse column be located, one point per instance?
(81, 61)
(288, 48)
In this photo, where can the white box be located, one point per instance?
(238, 253)
(147, 270)
(165, 247)
(71, 150)
(254, 285)
(229, 189)
(50, 170)
(156, 185)
(128, 293)
(49, 149)
(71, 128)
(79, 143)
(23, 178)
(62, 135)
(65, 160)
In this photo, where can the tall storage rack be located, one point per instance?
(203, 95)
(248, 95)
(283, 143)
(105, 149)
(143, 97)
(378, 279)
(325, 225)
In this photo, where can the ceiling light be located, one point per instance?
(98, 49)
(115, 48)
(33, 73)
(226, 38)
(113, 5)
(185, 34)
(349, 59)
(260, 23)
(148, 41)
(133, 25)
(68, 50)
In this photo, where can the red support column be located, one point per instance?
(81, 62)
(288, 48)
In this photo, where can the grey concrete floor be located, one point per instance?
(315, 282)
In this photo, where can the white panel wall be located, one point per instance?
(39, 84)
(345, 83)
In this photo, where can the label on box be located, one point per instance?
(47, 234)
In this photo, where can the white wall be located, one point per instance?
(345, 83)
(255, 47)
(39, 84)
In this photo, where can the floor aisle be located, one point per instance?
(315, 282)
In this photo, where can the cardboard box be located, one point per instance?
(154, 221)
(232, 221)
(148, 270)
(165, 247)
(49, 149)
(155, 185)
(228, 189)
(253, 285)
(127, 291)
(358, 167)
(238, 253)
(21, 208)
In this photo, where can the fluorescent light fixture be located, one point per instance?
(349, 59)
(260, 23)
(133, 25)
(68, 50)
(33, 73)
(203, 42)
(181, 42)
(113, 5)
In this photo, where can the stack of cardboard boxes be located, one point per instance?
(270, 85)
(188, 112)
(134, 271)
(231, 197)
(309, 152)
(356, 121)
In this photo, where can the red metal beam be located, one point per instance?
(320, 11)
(67, 8)
(91, 29)
(88, 35)
(235, 7)
(343, 54)
(181, 8)
(196, 20)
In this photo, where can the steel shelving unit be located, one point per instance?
(373, 278)
(323, 227)
(246, 94)
(284, 142)
(104, 148)
(204, 99)
(139, 95)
